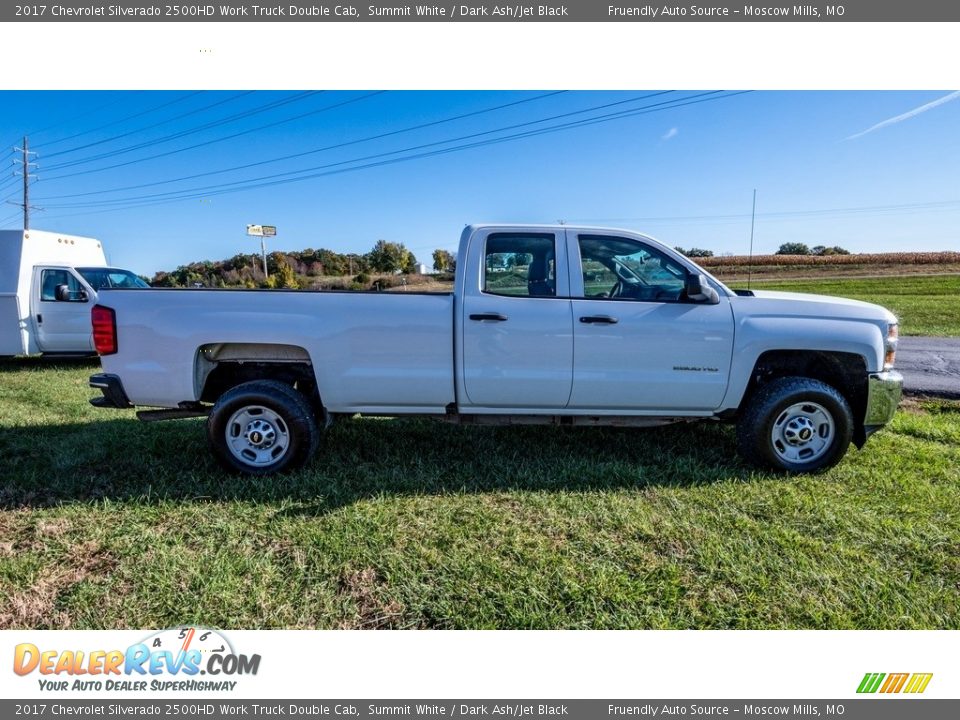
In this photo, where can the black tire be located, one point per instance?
(255, 412)
(770, 434)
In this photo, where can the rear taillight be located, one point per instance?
(104, 329)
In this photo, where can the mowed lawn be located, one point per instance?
(110, 523)
(924, 304)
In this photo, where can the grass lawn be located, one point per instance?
(109, 523)
(925, 304)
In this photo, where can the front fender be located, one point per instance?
(756, 335)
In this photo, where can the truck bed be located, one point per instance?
(371, 352)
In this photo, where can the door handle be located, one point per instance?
(600, 319)
(489, 316)
(39, 319)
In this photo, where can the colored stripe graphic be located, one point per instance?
(918, 682)
(870, 682)
(894, 682)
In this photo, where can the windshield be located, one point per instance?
(111, 278)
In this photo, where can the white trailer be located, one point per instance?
(48, 283)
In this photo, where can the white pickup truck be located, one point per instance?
(546, 324)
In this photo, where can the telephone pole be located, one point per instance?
(25, 162)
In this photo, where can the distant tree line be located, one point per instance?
(791, 248)
(293, 269)
(694, 252)
(797, 248)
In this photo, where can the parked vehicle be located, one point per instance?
(546, 324)
(48, 283)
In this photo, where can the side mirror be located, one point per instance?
(699, 290)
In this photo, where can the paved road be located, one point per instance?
(930, 365)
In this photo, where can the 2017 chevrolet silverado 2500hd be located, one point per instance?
(551, 324)
(48, 283)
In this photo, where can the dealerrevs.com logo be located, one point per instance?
(171, 659)
(894, 683)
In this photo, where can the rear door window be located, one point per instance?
(520, 264)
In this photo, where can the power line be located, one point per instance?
(124, 119)
(9, 182)
(203, 108)
(788, 214)
(61, 123)
(223, 189)
(10, 217)
(246, 166)
(4, 184)
(317, 111)
(184, 133)
(377, 155)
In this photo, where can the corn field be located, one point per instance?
(901, 258)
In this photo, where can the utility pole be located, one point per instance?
(25, 162)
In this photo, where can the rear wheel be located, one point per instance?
(262, 427)
(795, 424)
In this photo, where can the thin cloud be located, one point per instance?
(670, 134)
(907, 115)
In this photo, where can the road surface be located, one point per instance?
(930, 365)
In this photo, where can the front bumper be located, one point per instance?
(114, 396)
(884, 390)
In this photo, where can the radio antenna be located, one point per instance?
(753, 218)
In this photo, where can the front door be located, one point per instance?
(517, 327)
(62, 325)
(640, 344)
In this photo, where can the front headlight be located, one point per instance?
(890, 355)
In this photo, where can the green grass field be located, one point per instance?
(109, 523)
(925, 304)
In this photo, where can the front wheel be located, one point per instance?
(262, 427)
(795, 424)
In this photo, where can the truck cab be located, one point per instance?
(48, 283)
(60, 300)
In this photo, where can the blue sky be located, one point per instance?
(871, 171)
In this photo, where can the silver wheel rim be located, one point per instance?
(803, 433)
(257, 436)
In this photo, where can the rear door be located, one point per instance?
(61, 325)
(639, 343)
(517, 327)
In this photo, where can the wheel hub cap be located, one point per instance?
(799, 430)
(257, 436)
(803, 433)
(260, 434)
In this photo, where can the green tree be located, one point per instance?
(694, 252)
(793, 248)
(835, 250)
(390, 257)
(284, 277)
(442, 260)
(410, 263)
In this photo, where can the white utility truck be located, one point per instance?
(48, 283)
(546, 324)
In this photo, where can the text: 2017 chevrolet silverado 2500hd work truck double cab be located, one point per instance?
(568, 325)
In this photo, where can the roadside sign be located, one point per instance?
(262, 230)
